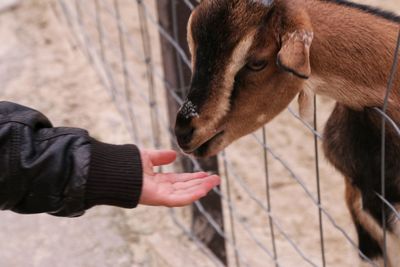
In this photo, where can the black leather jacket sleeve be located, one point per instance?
(61, 171)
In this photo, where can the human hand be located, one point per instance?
(171, 189)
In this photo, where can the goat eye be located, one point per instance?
(257, 65)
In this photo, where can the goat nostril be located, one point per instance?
(184, 134)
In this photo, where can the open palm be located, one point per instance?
(171, 189)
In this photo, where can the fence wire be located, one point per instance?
(121, 39)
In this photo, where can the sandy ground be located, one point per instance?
(40, 68)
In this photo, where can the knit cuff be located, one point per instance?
(115, 175)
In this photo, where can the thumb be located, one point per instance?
(161, 157)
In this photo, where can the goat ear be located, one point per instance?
(294, 55)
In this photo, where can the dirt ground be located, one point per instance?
(40, 68)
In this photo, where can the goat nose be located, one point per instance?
(183, 130)
(184, 135)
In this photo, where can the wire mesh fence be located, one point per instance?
(280, 203)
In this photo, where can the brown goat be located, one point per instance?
(252, 57)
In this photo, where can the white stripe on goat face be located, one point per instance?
(192, 47)
(238, 59)
(221, 104)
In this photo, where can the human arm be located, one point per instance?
(63, 171)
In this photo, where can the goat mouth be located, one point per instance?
(203, 150)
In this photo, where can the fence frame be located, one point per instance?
(207, 214)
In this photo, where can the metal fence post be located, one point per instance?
(173, 16)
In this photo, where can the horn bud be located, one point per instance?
(266, 2)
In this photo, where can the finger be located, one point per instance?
(161, 157)
(185, 199)
(181, 177)
(214, 179)
(205, 186)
